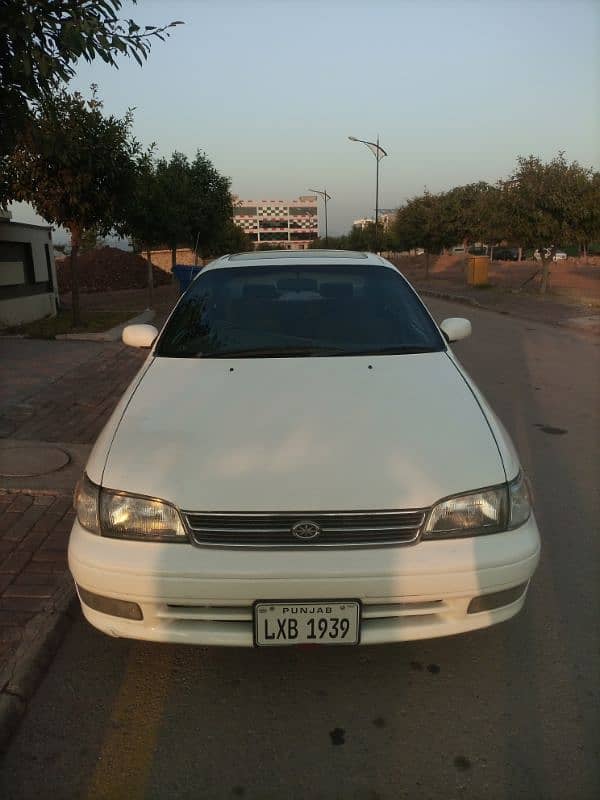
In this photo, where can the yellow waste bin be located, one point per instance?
(478, 270)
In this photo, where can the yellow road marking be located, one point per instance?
(127, 751)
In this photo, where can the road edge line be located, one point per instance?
(24, 670)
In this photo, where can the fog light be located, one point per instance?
(108, 605)
(486, 602)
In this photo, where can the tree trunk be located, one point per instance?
(520, 256)
(75, 244)
(150, 279)
(545, 272)
(173, 257)
(426, 264)
(491, 253)
(585, 253)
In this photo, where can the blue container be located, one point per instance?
(185, 274)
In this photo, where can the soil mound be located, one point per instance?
(108, 268)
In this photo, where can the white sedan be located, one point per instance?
(301, 459)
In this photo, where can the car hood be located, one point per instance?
(301, 434)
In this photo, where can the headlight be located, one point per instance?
(499, 508)
(85, 502)
(123, 516)
(520, 501)
(467, 514)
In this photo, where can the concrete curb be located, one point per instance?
(569, 324)
(23, 672)
(455, 298)
(111, 335)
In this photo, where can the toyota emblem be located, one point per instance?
(306, 530)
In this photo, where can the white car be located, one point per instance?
(301, 459)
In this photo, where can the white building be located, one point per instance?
(386, 218)
(28, 289)
(285, 224)
(363, 222)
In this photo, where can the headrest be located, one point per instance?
(337, 290)
(297, 284)
(262, 291)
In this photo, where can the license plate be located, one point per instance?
(314, 622)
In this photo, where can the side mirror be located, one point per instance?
(139, 335)
(456, 328)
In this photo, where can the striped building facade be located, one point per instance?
(286, 224)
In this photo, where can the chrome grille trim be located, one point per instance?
(273, 529)
(199, 612)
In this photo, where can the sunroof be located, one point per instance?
(259, 255)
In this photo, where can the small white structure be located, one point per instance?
(28, 289)
(386, 218)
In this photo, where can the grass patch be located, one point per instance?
(50, 327)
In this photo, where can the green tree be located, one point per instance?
(196, 204)
(333, 243)
(464, 213)
(584, 208)
(495, 218)
(546, 205)
(211, 206)
(77, 168)
(173, 184)
(230, 239)
(40, 43)
(144, 209)
(362, 238)
(423, 222)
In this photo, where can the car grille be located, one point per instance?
(337, 529)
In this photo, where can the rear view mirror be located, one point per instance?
(456, 328)
(139, 335)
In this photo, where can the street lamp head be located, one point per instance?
(353, 138)
(321, 192)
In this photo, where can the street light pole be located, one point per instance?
(326, 197)
(379, 153)
(376, 196)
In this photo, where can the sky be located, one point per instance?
(270, 91)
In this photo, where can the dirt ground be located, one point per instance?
(134, 300)
(568, 277)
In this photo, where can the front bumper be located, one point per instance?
(194, 595)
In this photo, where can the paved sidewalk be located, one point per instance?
(54, 394)
(61, 391)
(553, 309)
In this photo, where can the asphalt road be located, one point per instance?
(509, 712)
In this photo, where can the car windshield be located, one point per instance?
(287, 311)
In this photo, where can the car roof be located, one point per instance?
(282, 258)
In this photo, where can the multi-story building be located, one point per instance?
(386, 218)
(363, 222)
(285, 224)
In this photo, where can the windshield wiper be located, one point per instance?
(298, 352)
(390, 351)
(274, 352)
